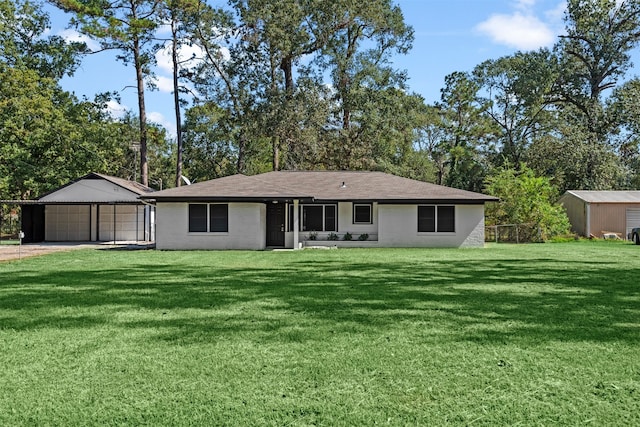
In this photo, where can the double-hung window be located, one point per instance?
(212, 218)
(436, 219)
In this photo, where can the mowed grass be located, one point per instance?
(544, 334)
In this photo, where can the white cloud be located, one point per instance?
(521, 31)
(74, 36)
(115, 109)
(160, 119)
(525, 4)
(188, 56)
(165, 84)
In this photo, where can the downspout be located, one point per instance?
(296, 221)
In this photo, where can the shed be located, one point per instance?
(599, 212)
(95, 207)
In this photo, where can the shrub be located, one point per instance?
(313, 235)
(347, 236)
(332, 236)
(363, 237)
(526, 199)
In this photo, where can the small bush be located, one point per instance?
(347, 236)
(313, 235)
(363, 237)
(332, 236)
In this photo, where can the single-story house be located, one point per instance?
(95, 207)
(596, 213)
(291, 209)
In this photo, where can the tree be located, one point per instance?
(594, 55)
(23, 44)
(208, 150)
(127, 26)
(358, 56)
(624, 109)
(525, 199)
(515, 92)
(181, 16)
(467, 131)
(49, 137)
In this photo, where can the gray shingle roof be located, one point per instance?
(592, 196)
(319, 185)
(133, 186)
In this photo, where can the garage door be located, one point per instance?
(633, 219)
(128, 223)
(67, 223)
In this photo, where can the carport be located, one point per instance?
(93, 208)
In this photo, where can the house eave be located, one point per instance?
(413, 201)
(219, 199)
(71, 202)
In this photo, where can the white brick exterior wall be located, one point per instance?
(247, 228)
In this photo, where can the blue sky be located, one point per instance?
(450, 35)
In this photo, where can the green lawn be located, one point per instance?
(545, 334)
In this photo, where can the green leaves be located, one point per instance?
(525, 199)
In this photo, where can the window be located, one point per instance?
(362, 214)
(426, 219)
(218, 218)
(316, 218)
(197, 218)
(213, 218)
(312, 218)
(446, 219)
(438, 219)
(330, 218)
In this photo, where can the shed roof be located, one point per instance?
(319, 185)
(593, 196)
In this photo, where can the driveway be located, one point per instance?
(12, 252)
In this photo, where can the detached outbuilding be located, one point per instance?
(95, 207)
(599, 213)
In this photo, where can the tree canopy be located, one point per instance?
(288, 84)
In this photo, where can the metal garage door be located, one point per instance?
(633, 219)
(67, 223)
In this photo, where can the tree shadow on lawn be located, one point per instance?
(535, 300)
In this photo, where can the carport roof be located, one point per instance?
(133, 187)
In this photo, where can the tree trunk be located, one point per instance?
(287, 67)
(240, 164)
(144, 166)
(176, 96)
(275, 142)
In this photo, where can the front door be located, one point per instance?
(275, 224)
